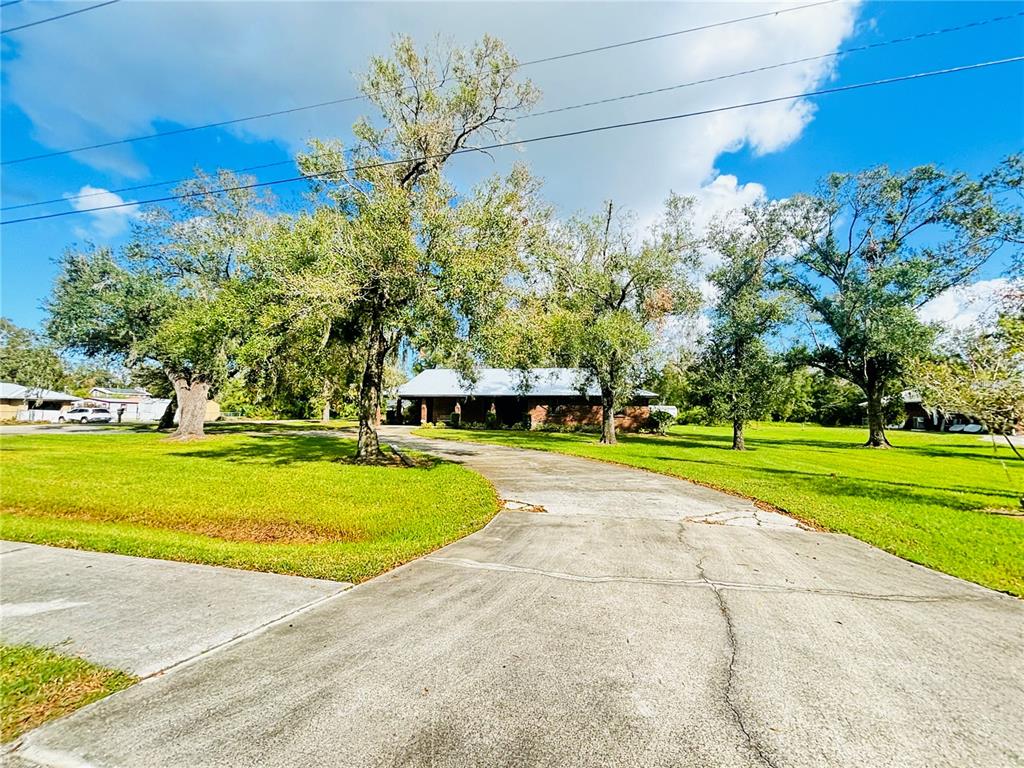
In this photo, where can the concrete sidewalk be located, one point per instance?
(136, 614)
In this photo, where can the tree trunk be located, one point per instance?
(192, 396)
(608, 417)
(167, 419)
(368, 446)
(876, 420)
(738, 443)
(325, 415)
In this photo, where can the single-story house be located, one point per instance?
(544, 396)
(919, 416)
(117, 393)
(31, 403)
(131, 404)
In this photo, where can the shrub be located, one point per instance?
(660, 421)
(491, 420)
(694, 415)
(455, 420)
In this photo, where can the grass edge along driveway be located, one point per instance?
(269, 501)
(930, 500)
(39, 684)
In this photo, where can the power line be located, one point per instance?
(301, 108)
(176, 131)
(791, 62)
(765, 68)
(150, 185)
(9, 2)
(535, 139)
(652, 38)
(54, 18)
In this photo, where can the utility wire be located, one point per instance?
(791, 62)
(54, 18)
(150, 185)
(9, 2)
(345, 99)
(765, 68)
(652, 38)
(176, 131)
(535, 139)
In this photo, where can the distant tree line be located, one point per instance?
(390, 265)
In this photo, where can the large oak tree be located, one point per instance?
(737, 376)
(166, 298)
(871, 249)
(424, 262)
(606, 290)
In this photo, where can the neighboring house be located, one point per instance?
(113, 393)
(31, 403)
(548, 396)
(131, 404)
(918, 416)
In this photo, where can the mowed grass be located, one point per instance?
(930, 500)
(270, 501)
(37, 684)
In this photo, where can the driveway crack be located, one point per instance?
(730, 631)
(731, 669)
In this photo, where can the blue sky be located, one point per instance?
(139, 67)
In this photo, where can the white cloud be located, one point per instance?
(177, 63)
(107, 223)
(959, 308)
(725, 194)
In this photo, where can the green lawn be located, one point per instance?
(271, 500)
(37, 684)
(929, 500)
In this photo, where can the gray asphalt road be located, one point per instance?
(592, 635)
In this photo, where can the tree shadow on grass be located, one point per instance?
(832, 485)
(754, 440)
(284, 449)
(270, 428)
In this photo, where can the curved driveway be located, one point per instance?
(609, 630)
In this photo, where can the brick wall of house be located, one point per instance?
(632, 418)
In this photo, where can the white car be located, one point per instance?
(86, 415)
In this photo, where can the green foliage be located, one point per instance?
(660, 421)
(161, 301)
(596, 296)
(673, 381)
(872, 247)
(981, 377)
(737, 378)
(693, 415)
(297, 351)
(425, 265)
(28, 359)
(794, 397)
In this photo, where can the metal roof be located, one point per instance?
(119, 391)
(9, 391)
(503, 382)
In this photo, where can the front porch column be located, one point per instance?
(423, 410)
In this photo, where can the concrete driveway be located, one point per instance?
(593, 634)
